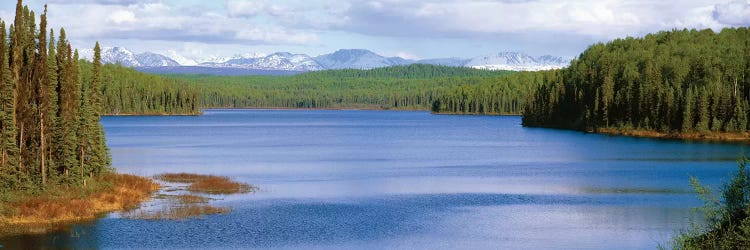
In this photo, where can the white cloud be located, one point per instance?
(159, 21)
(734, 13)
(594, 18)
(122, 16)
(240, 8)
(479, 24)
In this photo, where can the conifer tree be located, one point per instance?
(50, 122)
(69, 106)
(41, 78)
(8, 145)
(99, 154)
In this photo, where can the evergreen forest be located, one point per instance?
(679, 81)
(49, 112)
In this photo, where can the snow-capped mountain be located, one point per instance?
(517, 62)
(275, 61)
(112, 55)
(341, 59)
(149, 59)
(183, 61)
(119, 55)
(357, 59)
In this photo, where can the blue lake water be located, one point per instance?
(404, 180)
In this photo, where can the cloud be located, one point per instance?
(103, 2)
(603, 19)
(394, 25)
(239, 8)
(159, 21)
(122, 16)
(733, 13)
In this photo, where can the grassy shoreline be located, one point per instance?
(28, 212)
(37, 213)
(690, 136)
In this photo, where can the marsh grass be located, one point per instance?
(192, 199)
(209, 184)
(190, 205)
(180, 212)
(41, 211)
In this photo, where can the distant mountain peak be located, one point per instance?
(339, 59)
(517, 61)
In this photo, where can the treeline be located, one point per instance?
(49, 117)
(672, 82)
(400, 87)
(127, 91)
(503, 95)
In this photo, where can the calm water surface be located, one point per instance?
(404, 180)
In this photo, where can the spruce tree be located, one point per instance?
(69, 106)
(99, 152)
(52, 105)
(8, 132)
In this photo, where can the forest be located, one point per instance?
(414, 87)
(49, 115)
(129, 92)
(679, 81)
(503, 95)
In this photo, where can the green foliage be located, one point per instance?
(49, 112)
(400, 87)
(676, 81)
(504, 95)
(126, 91)
(727, 221)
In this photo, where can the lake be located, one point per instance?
(404, 180)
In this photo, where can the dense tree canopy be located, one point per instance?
(126, 91)
(676, 81)
(49, 115)
(400, 87)
(503, 95)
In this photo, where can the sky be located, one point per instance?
(407, 28)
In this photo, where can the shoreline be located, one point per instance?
(729, 137)
(472, 114)
(57, 208)
(322, 109)
(154, 114)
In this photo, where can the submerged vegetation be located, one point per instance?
(678, 83)
(727, 216)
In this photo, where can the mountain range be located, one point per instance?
(289, 63)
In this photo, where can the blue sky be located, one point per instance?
(407, 28)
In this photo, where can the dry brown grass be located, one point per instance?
(189, 198)
(209, 184)
(219, 185)
(181, 177)
(178, 212)
(72, 204)
(694, 136)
